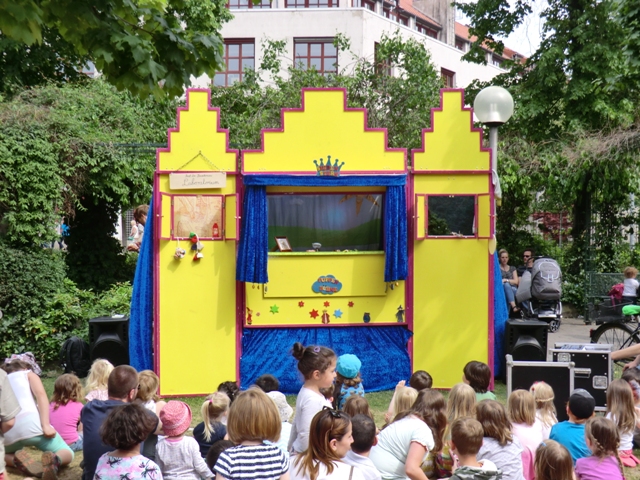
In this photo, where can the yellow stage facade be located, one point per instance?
(337, 241)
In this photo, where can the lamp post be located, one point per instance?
(494, 106)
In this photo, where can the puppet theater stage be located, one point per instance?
(404, 277)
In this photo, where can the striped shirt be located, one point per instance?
(259, 462)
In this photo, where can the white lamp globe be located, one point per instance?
(493, 106)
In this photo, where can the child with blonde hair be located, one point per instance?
(148, 383)
(545, 408)
(621, 410)
(402, 400)
(461, 403)
(318, 366)
(212, 429)
(603, 441)
(348, 380)
(499, 445)
(330, 440)
(553, 462)
(64, 410)
(630, 292)
(253, 418)
(521, 410)
(96, 386)
(177, 455)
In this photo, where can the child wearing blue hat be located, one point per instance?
(348, 381)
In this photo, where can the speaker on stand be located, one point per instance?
(526, 340)
(109, 339)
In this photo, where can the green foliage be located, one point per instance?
(149, 47)
(401, 104)
(57, 147)
(42, 308)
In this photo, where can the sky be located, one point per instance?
(526, 38)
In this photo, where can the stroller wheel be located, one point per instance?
(554, 326)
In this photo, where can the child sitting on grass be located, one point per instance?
(466, 440)
(478, 376)
(570, 433)
(64, 410)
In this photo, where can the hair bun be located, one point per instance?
(298, 351)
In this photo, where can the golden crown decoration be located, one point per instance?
(327, 169)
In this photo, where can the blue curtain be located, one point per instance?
(381, 349)
(141, 316)
(500, 317)
(254, 237)
(254, 241)
(395, 234)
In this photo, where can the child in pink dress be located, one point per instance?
(64, 410)
(604, 464)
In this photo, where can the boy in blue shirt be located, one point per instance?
(570, 433)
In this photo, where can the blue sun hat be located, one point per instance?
(348, 365)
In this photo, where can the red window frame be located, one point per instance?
(424, 29)
(311, 4)
(235, 60)
(366, 4)
(317, 51)
(448, 78)
(242, 4)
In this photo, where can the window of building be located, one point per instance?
(336, 221)
(448, 78)
(238, 56)
(461, 44)
(311, 3)
(390, 13)
(402, 20)
(496, 60)
(319, 54)
(451, 216)
(383, 66)
(242, 4)
(368, 4)
(426, 30)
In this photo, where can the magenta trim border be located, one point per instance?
(345, 109)
(337, 325)
(156, 276)
(409, 284)
(431, 129)
(177, 129)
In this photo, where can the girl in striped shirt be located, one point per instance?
(253, 419)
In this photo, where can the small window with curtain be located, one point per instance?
(448, 78)
(451, 216)
(337, 222)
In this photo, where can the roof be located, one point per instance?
(462, 31)
(407, 6)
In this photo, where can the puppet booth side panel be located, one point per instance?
(451, 301)
(196, 308)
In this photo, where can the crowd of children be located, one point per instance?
(126, 432)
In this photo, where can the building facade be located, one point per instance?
(309, 27)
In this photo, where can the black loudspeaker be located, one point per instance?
(526, 340)
(109, 339)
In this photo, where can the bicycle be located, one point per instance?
(617, 333)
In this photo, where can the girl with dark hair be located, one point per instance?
(404, 444)
(318, 366)
(330, 440)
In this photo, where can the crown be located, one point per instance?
(328, 170)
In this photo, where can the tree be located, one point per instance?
(59, 157)
(150, 47)
(402, 104)
(576, 101)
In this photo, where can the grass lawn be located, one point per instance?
(378, 401)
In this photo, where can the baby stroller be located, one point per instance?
(539, 293)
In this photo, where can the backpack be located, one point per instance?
(74, 357)
(546, 279)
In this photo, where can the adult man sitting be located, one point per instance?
(122, 388)
(527, 257)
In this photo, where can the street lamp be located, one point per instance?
(494, 106)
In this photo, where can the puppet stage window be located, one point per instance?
(336, 221)
(451, 216)
(199, 214)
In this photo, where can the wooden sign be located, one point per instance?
(190, 181)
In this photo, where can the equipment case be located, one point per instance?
(593, 367)
(560, 375)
